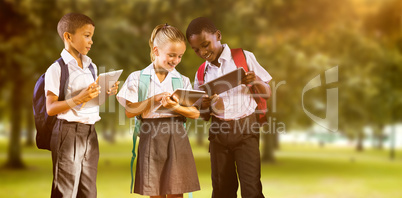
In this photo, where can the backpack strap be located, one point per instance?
(143, 85)
(63, 78)
(201, 74)
(240, 61)
(239, 58)
(91, 68)
(177, 82)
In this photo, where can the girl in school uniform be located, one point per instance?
(165, 164)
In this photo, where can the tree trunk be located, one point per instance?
(392, 146)
(200, 132)
(105, 130)
(113, 130)
(30, 127)
(268, 148)
(380, 145)
(14, 159)
(276, 141)
(360, 138)
(380, 137)
(200, 138)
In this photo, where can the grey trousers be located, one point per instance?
(75, 155)
(235, 156)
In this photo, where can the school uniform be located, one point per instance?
(74, 142)
(234, 132)
(165, 162)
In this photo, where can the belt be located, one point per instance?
(77, 125)
(177, 118)
(216, 119)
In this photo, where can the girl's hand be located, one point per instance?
(169, 102)
(113, 90)
(158, 97)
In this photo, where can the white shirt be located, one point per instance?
(235, 103)
(79, 79)
(129, 90)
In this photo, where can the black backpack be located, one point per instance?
(43, 122)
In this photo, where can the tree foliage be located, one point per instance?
(293, 40)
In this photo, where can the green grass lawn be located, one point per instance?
(299, 171)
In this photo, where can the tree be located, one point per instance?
(13, 39)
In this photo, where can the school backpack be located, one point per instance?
(240, 61)
(143, 85)
(43, 122)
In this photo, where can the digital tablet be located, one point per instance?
(224, 83)
(106, 81)
(186, 98)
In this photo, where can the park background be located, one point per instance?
(356, 154)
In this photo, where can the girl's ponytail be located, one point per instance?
(152, 40)
(162, 34)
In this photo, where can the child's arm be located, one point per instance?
(189, 112)
(54, 107)
(137, 108)
(262, 88)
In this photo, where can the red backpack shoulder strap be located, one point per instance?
(200, 74)
(239, 58)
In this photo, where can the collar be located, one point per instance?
(225, 55)
(151, 71)
(69, 59)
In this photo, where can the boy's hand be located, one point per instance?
(205, 112)
(206, 101)
(113, 90)
(249, 78)
(92, 91)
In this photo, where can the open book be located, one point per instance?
(224, 83)
(186, 98)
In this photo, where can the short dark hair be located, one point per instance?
(200, 24)
(71, 22)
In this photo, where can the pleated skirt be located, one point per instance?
(165, 163)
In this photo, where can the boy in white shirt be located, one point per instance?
(74, 142)
(234, 131)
